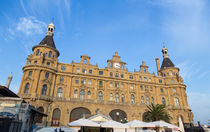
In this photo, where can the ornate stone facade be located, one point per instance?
(69, 91)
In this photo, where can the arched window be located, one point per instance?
(122, 98)
(82, 94)
(142, 99)
(50, 54)
(44, 89)
(111, 74)
(37, 52)
(111, 96)
(75, 93)
(118, 115)
(117, 97)
(56, 117)
(78, 113)
(132, 99)
(89, 94)
(152, 100)
(176, 101)
(100, 96)
(26, 88)
(163, 101)
(60, 92)
(147, 100)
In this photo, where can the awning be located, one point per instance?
(84, 122)
(113, 124)
(137, 123)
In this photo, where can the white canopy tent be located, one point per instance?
(113, 124)
(163, 124)
(137, 123)
(84, 122)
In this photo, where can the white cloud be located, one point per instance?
(30, 25)
(187, 69)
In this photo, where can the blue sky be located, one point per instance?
(136, 29)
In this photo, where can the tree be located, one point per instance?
(155, 113)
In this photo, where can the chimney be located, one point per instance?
(158, 65)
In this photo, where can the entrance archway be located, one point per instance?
(78, 113)
(118, 115)
(56, 117)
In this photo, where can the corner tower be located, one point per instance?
(39, 73)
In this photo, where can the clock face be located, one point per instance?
(116, 65)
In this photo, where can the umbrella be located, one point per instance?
(113, 124)
(164, 124)
(137, 123)
(84, 122)
(181, 127)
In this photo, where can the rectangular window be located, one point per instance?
(63, 68)
(89, 82)
(90, 71)
(140, 78)
(30, 73)
(145, 78)
(84, 71)
(83, 81)
(122, 76)
(61, 79)
(100, 72)
(46, 75)
(174, 90)
(131, 76)
(78, 70)
(160, 81)
(77, 81)
(116, 74)
(116, 84)
(146, 88)
(111, 84)
(48, 63)
(100, 83)
(151, 89)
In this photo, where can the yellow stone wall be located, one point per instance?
(168, 79)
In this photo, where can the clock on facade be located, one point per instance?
(116, 65)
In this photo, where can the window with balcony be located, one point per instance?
(100, 96)
(44, 89)
(82, 94)
(60, 92)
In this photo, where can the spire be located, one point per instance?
(48, 39)
(166, 61)
(9, 81)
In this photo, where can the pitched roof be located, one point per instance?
(167, 63)
(48, 40)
